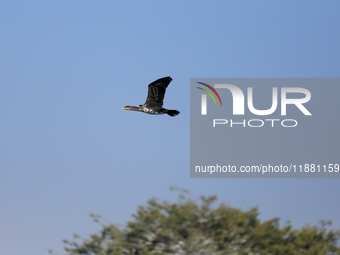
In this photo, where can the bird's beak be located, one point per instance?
(123, 108)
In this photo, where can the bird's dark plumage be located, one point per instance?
(154, 100)
(156, 92)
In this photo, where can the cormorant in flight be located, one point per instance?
(154, 101)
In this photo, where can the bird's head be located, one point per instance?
(125, 107)
(130, 108)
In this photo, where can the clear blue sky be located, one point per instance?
(66, 67)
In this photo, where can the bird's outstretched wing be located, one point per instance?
(156, 92)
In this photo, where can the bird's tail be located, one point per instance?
(172, 113)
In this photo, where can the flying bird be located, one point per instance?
(154, 101)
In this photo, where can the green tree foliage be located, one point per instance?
(195, 227)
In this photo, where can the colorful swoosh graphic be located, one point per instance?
(210, 93)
